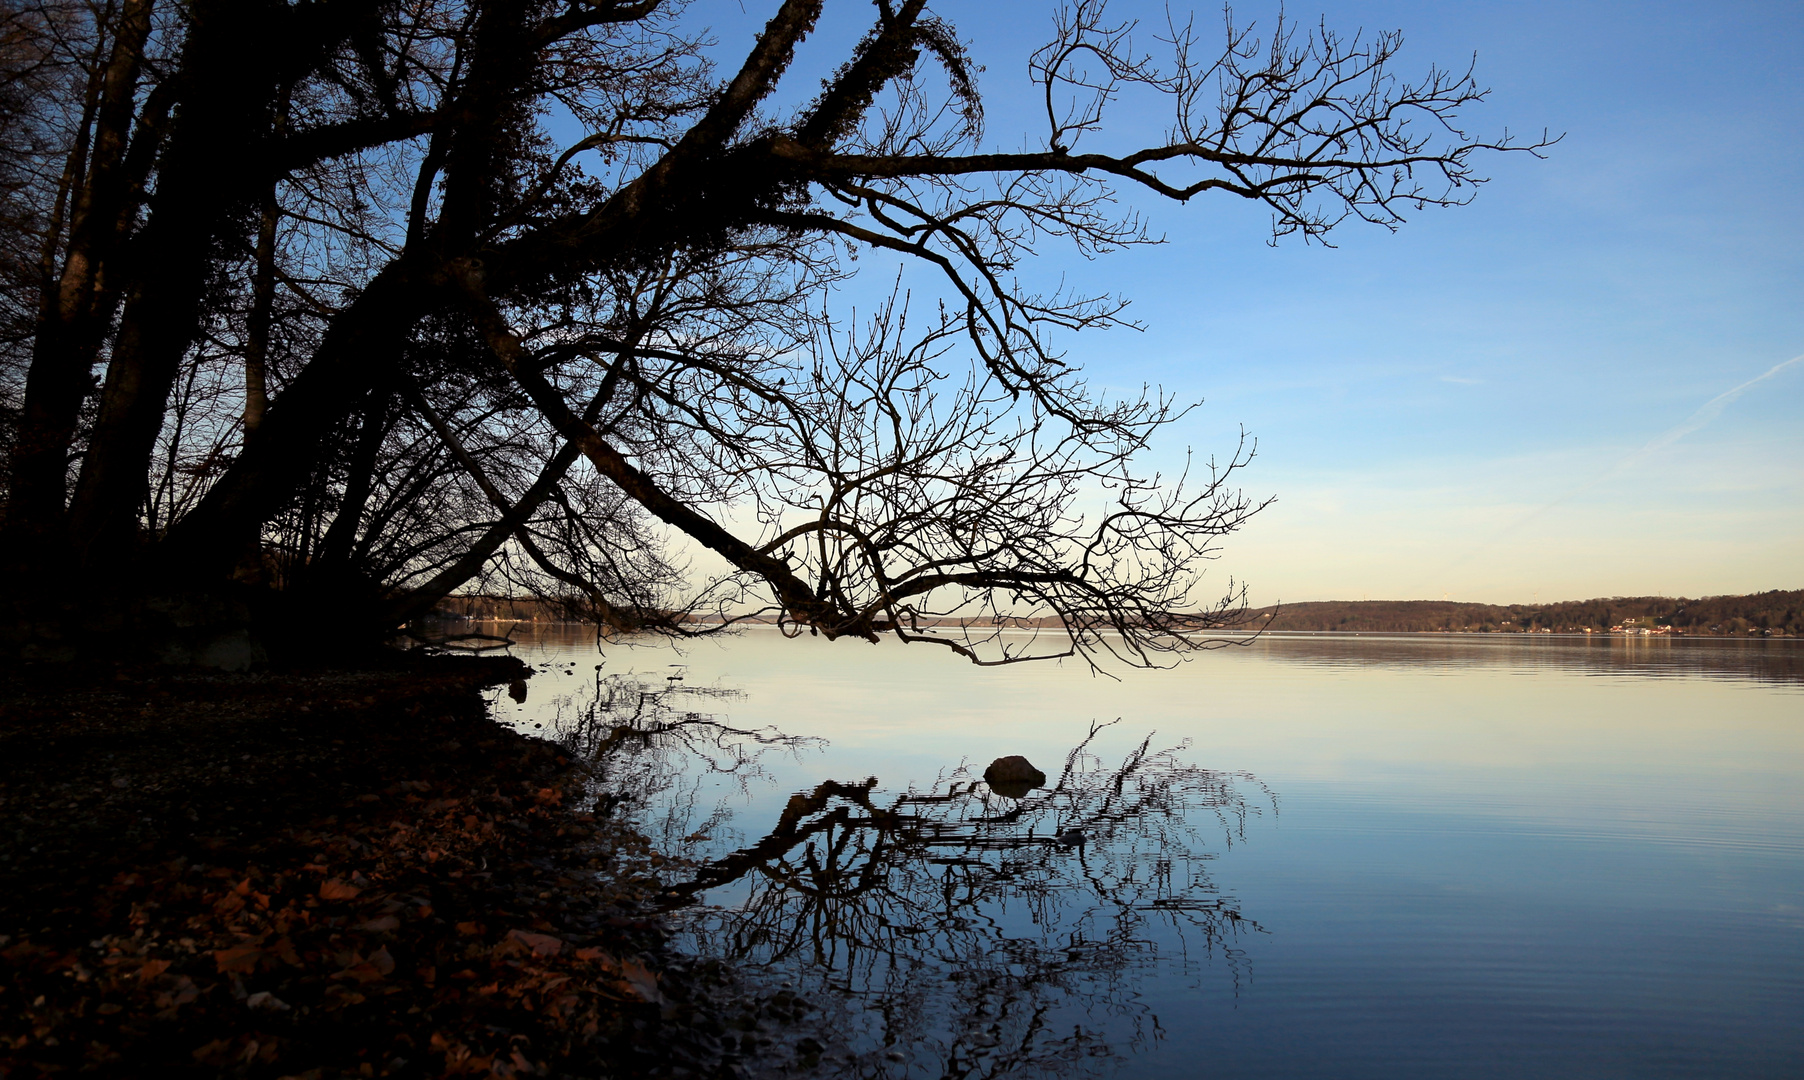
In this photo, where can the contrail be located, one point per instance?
(1705, 413)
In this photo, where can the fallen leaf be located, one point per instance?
(365, 972)
(540, 944)
(263, 999)
(214, 1053)
(643, 980)
(242, 959)
(380, 925)
(337, 889)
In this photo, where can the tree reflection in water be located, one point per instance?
(950, 931)
(655, 754)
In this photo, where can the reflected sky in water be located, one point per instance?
(1313, 856)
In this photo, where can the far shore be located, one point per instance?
(1234, 634)
(1776, 613)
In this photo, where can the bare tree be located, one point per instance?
(468, 351)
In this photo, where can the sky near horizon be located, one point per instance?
(1589, 382)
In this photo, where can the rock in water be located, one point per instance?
(1013, 776)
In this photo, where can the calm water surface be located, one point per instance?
(1337, 857)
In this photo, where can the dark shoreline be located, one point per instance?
(323, 872)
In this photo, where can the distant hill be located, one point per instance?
(1777, 613)
(1770, 614)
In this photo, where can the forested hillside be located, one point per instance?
(1768, 613)
(1779, 612)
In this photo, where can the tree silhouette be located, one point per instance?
(318, 314)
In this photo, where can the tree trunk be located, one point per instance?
(80, 302)
(200, 194)
(362, 342)
(341, 538)
(263, 300)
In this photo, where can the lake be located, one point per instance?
(1336, 856)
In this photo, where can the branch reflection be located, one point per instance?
(655, 754)
(952, 930)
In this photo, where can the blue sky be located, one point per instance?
(1499, 402)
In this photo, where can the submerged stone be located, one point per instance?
(1013, 776)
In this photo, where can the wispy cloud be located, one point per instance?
(1461, 380)
(1702, 417)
